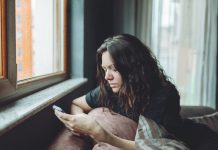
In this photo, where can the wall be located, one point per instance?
(98, 26)
(217, 71)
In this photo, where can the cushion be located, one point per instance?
(105, 146)
(210, 120)
(151, 136)
(117, 124)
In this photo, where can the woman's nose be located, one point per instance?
(108, 75)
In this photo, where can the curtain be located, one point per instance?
(183, 36)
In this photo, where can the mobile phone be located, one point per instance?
(55, 107)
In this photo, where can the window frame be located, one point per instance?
(3, 32)
(10, 88)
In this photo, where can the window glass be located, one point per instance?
(39, 38)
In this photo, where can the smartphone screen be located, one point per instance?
(55, 107)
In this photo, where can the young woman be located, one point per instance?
(131, 83)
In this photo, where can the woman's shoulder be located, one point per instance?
(166, 90)
(164, 102)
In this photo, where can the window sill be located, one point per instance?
(16, 112)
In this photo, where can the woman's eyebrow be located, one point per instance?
(111, 65)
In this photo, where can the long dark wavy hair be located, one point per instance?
(139, 69)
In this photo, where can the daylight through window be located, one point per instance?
(39, 38)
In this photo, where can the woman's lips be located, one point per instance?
(113, 85)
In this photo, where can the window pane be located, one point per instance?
(39, 37)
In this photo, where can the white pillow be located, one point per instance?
(151, 136)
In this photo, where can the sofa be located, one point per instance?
(119, 125)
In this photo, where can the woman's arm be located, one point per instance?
(79, 105)
(85, 124)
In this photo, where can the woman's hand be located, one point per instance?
(82, 124)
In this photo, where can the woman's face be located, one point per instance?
(111, 74)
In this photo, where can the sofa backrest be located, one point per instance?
(195, 111)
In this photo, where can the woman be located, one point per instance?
(131, 83)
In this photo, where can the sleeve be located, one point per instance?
(92, 97)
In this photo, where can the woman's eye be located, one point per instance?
(114, 69)
(110, 68)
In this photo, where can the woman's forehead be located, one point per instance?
(107, 59)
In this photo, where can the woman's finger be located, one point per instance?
(63, 116)
(75, 132)
(62, 120)
(68, 125)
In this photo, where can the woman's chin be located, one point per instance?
(115, 90)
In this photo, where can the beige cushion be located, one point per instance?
(151, 136)
(105, 146)
(210, 120)
(117, 124)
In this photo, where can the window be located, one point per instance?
(36, 46)
(37, 35)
